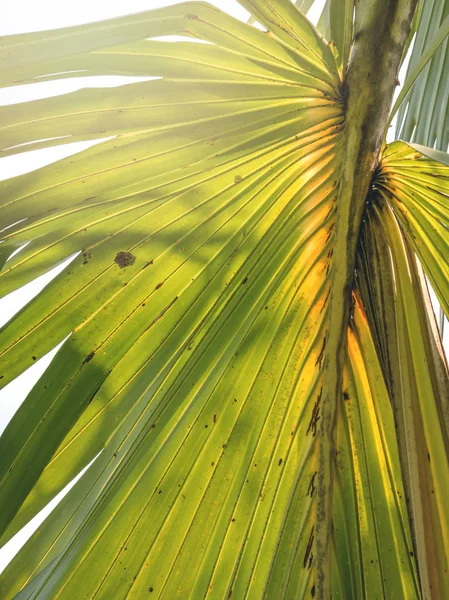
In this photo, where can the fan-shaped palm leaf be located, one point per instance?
(206, 317)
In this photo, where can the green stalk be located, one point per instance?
(369, 85)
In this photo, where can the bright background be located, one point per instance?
(20, 16)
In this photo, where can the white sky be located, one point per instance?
(19, 16)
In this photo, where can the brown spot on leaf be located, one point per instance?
(124, 259)
(309, 548)
(312, 486)
(238, 179)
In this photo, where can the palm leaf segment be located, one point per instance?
(197, 315)
(408, 214)
(424, 106)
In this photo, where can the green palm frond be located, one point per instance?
(408, 202)
(336, 24)
(197, 315)
(423, 101)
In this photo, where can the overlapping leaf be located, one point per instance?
(409, 208)
(423, 101)
(419, 184)
(336, 24)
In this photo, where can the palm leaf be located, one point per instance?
(404, 336)
(197, 315)
(336, 24)
(422, 102)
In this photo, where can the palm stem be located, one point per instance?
(368, 88)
